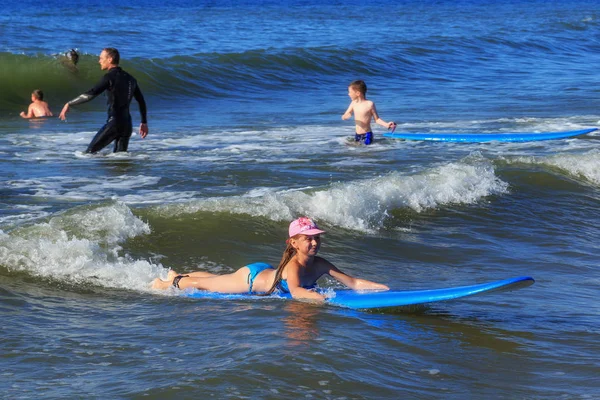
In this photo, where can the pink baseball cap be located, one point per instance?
(305, 226)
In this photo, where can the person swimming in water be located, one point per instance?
(297, 273)
(38, 107)
(70, 59)
(73, 56)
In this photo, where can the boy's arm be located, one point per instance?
(379, 121)
(348, 112)
(29, 112)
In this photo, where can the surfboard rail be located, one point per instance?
(487, 137)
(358, 300)
(391, 298)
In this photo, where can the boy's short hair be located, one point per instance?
(359, 85)
(114, 54)
(38, 94)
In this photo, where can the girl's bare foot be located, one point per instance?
(171, 275)
(160, 284)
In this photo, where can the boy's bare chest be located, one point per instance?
(362, 110)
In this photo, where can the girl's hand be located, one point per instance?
(363, 284)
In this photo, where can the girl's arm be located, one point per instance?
(351, 282)
(299, 292)
(293, 282)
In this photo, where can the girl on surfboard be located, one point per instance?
(297, 273)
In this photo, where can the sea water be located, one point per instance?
(244, 105)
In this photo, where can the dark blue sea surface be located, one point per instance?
(244, 107)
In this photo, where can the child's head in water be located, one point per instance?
(37, 95)
(73, 56)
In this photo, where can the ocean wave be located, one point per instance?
(246, 74)
(82, 246)
(203, 75)
(361, 205)
(581, 166)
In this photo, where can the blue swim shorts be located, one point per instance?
(366, 138)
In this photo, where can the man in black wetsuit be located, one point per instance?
(121, 88)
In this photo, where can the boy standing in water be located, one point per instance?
(38, 107)
(363, 110)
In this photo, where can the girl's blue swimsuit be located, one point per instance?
(257, 268)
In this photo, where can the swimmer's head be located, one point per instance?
(37, 94)
(73, 56)
(359, 86)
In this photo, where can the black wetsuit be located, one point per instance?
(121, 88)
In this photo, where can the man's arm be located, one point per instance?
(139, 97)
(85, 97)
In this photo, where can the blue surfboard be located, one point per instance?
(392, 298)
(487, 137)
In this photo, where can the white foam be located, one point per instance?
(198, 150)
(295, 140)
(26, 213)
(96, 188)
(81, 247)
(362, 205)
(580, 165)
(504, 125)
(49, 146)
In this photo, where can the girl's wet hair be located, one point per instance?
(288, 253)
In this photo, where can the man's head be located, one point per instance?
(109, 57)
